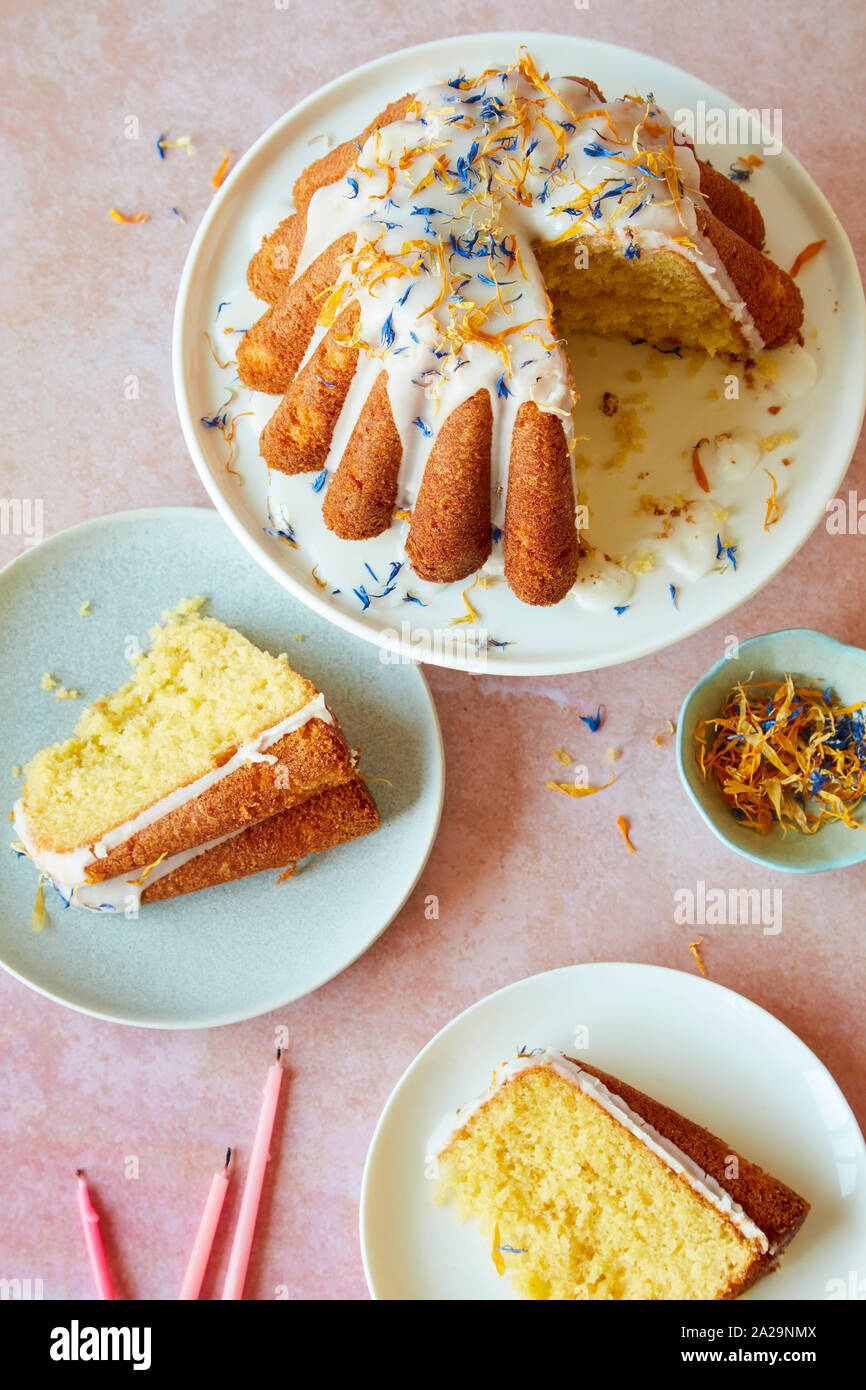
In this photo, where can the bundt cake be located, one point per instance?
(421, 289)
(587, 1189)
(216, 760)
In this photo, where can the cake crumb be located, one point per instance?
(609, 403)
(612, 754)
(629, 430)
(85, 610)
(772, 441)
(187, 608)
(298, 637)
(562, 757)
(61, 692)
(767, 367)
(630, 435)
(643, 563)
(16, 770)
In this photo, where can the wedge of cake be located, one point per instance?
(588, 1189)
(211, 737)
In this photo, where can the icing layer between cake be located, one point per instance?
(669, 1153)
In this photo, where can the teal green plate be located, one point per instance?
(240, 949)
(815, 657)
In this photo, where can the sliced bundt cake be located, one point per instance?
(419, 293)
(587, 1189)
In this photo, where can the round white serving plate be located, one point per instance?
(702, 1049)
(239, 949)
(824, 423)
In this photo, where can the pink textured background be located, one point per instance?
(527, 880)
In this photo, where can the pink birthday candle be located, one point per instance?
(242, 1244)
(195, 1270)
(93, 1240)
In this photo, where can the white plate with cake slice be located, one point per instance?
(789, 422)
(75, 610)
(692, 1046)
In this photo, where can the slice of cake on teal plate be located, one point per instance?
(214, 761)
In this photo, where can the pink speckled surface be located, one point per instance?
(527, 880)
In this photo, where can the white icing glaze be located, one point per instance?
(674, 1157)
(794, 370)
(123, 894)
(601, 584)
(690, 541)
(66, 869)
(262, 220)
(732, 456)
(449, 202)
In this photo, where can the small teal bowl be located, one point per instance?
(812, 656)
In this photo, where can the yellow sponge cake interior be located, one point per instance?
(202, 691)
(585, 1188)
(578, 1208)
(660, 298)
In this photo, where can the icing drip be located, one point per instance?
(67, 869)
(674, 1157)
